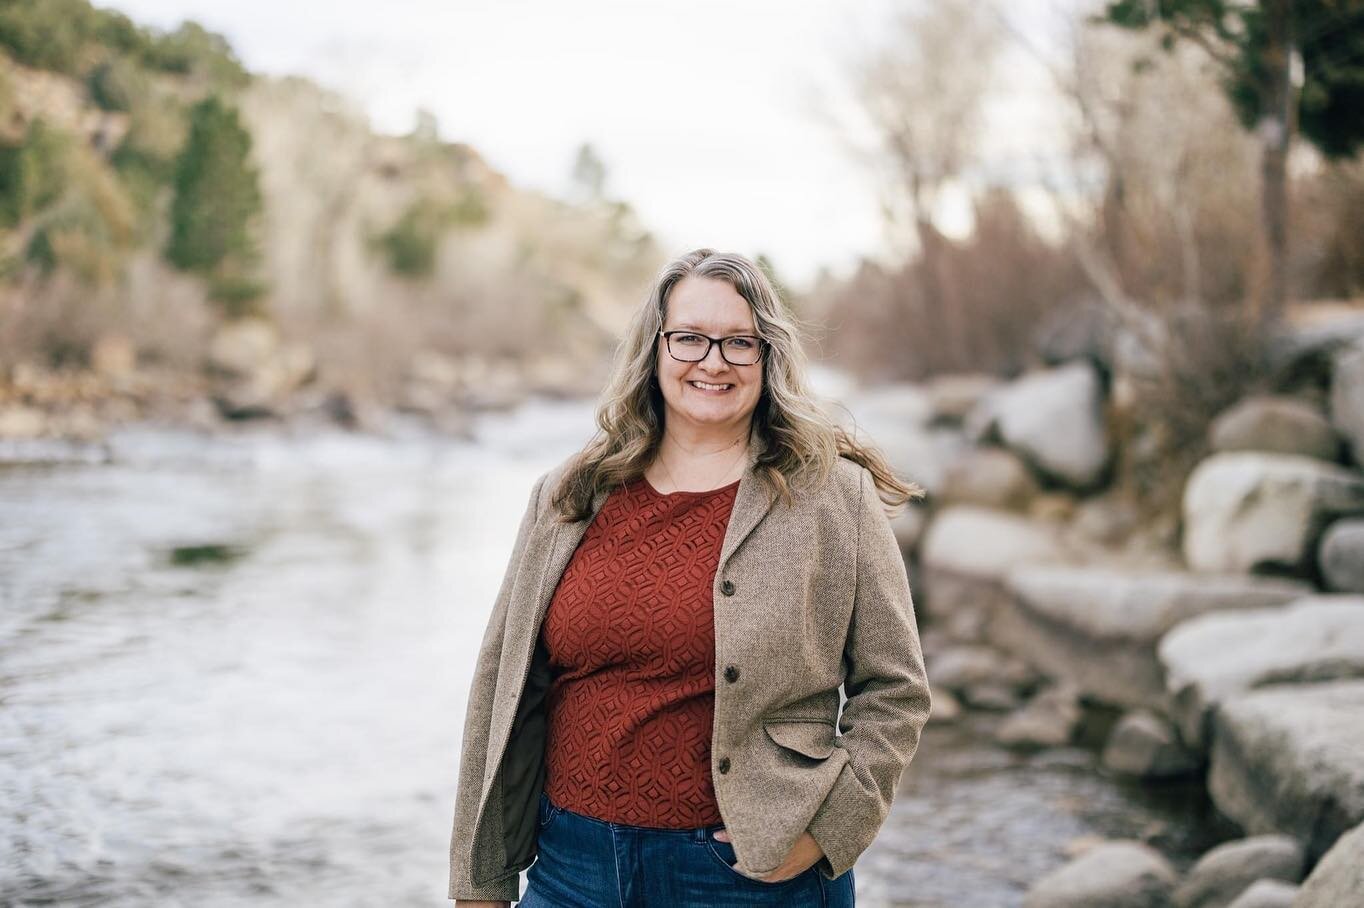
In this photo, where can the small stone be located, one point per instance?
(1282, 425)
(1048, 720)
(1117, 874)
(946, 707)
(1146, 746)
(1267, 894)
(1226, 871)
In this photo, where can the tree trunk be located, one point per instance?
(1276, 133)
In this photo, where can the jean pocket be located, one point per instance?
(549, 811)
(723, 853)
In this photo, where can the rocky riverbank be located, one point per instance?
(253, 376)
(1224, 643)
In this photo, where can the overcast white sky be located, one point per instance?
(700, 108)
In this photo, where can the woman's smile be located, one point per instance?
(710, 390)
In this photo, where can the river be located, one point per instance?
(233, 672)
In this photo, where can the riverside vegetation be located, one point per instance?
(183, 240)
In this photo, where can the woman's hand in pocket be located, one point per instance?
(803, 855)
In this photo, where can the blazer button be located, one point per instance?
(727, 587)
(731, 673)
(724, 765)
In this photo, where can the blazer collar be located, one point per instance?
(752, 501)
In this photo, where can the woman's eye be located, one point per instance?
(741, 343)
(689, 338)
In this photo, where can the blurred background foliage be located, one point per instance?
(130, 155)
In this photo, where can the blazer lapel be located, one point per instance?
(562, 546)
(751, 503)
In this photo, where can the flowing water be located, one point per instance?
(233, 672)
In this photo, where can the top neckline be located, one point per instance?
(649, 486)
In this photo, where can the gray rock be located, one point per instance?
(1105, 519)
(1145, 745)
(960, 667)
(19, 421)
(905, 404)
(1266, 894)
(964, 555)
(952, 397)
(1048, 720)
(1098, 627)
(895, 417)
(1054, 420)
(1286, 759)
(992, 696)
(1282, 425)
(1119, 874)
(986, 543)
(1347, 398)
(1250, 511)
(990, 478)
(242, 347)
(1225, 872)
(1341, 555)
(1213, 658)
(946, 708)
(1338, 880)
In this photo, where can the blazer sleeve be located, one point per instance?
(477, 719)
(887, 693)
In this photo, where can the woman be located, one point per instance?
(653, 712)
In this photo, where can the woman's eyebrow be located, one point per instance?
(739, 329)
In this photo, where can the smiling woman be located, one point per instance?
(654, 717)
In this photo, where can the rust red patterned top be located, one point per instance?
(631, 638)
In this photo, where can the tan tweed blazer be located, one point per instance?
(808, 597)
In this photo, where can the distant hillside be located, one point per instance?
(376, 251)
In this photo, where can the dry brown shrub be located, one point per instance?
(998, 282)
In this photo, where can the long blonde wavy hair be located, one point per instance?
(797, 443)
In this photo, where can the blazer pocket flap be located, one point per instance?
(814, 737)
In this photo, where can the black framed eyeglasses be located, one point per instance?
(691, 347)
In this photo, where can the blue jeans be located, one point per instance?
(584, 862)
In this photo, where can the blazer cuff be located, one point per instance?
(505, 890)
(845, 824)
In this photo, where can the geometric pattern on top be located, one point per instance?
(630, 633)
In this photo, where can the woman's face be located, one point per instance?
(711, 393)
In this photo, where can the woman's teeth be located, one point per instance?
(709, 387)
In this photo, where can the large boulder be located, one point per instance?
(964, 555)
(1054, 419)
(1215, 657)
(1340, 556)
(1339, 878)
(1248, 511)
(903, 404)
(1097, 627)
(1278, 424)
(1286, 759)
(990, 478)
(1347, 397)
(1119, 874)
(920, 455)
(1221, 875)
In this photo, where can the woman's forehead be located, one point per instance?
(707, 304)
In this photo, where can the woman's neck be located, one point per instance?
(692, 462)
